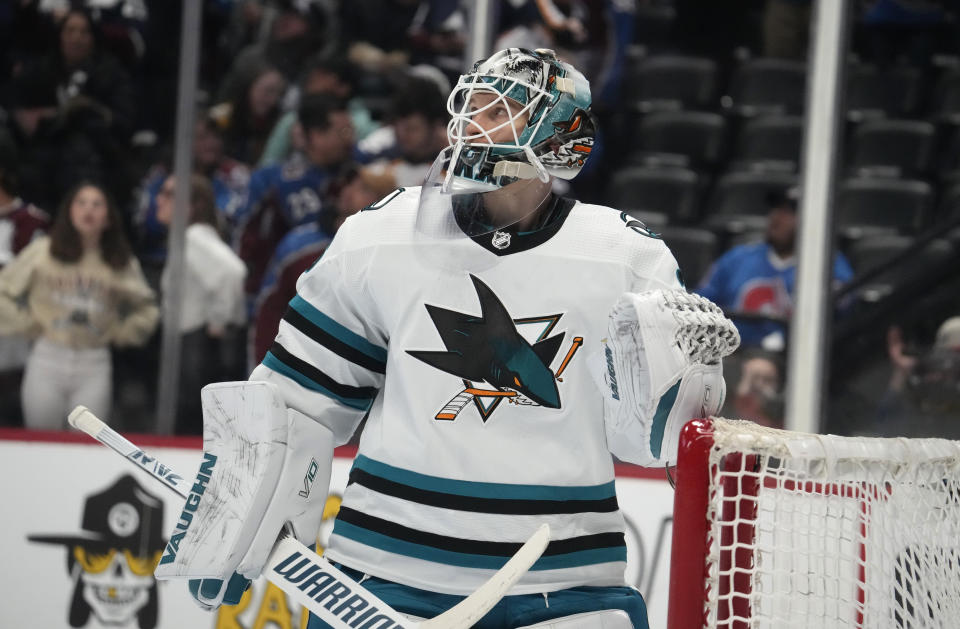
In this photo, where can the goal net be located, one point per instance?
(778, 529)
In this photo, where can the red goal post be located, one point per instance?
(777, 529)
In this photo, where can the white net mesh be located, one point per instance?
(825, 531)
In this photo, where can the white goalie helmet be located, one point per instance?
(518, 119)
(548, 129)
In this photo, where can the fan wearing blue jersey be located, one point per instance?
(300, 249)
(755, 282)
(293, 193)
(503, 343)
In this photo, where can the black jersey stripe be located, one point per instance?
(503, 506)
(304, 368)
(473, 546)
(331, 342)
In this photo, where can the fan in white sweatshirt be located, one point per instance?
(212, 282)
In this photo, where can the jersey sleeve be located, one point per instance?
(15, 281)
(279, 287)
(140, 313)
(219, 271)
(842, 271)
(330, 353)
(259, 185)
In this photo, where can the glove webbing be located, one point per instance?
(699, 336)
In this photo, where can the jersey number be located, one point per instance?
(382, 202)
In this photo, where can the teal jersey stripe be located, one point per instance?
(474, 489)
(273, 363)
(336, 330)
(660, 418)
(469, 560)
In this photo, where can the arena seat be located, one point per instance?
(669, 82)
(673, 192)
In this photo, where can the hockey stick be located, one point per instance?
(452, 408)
(577, 342)
(314, 582)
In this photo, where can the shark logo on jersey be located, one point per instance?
(490, 348)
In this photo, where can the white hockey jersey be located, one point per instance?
(484, 419)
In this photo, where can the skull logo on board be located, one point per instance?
(111, 561)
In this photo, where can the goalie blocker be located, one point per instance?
(662, 367)
(265, 468)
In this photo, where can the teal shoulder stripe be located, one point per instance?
(273, 363)
(474, 489)
(336, 330)
(660, 418)
(469, 560)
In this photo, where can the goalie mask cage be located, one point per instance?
(777, 529)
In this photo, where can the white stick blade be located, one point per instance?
(471, 609)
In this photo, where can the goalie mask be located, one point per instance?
(519, 119)
(542, 123)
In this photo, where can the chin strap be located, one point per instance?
(534, 161)
(517, 170)
(533, 168)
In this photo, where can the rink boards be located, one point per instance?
(51, 480)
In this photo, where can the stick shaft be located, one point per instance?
(577, 342)
(471, 609)
(84, 420)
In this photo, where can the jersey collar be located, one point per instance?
(508, 240)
